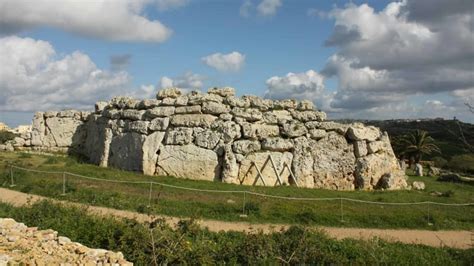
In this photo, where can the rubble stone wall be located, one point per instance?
(218, 136)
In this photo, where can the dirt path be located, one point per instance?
(455, 239)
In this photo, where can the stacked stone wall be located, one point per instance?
(218, 136)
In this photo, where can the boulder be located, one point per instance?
(237, 102)
(305, 105)
(361, 132)
(328, 126)
(360, 148)
(148, 104)
(188, 161)
(150, 149)
(223, 92)
(433, 171)
(168, 93)
(159, 124)
(249, 114)
(418, 185)
(193, 120)
(229, 130)
(137, 126)
(317, 134)
(182, 100)
(100, 106)
(162, 111)
(375, 146)
(294, 129)
(371, 168)
(179, 136)
(38, 129)
(277, 144)
(230, 167)
(168, 101)
(276, 117)
(333, 163)
(306, 116)
(259, 103)
(246, 146)
(192, 109)
(260, 131)
(206, 138)
(248, 174)
(126, 151)
(286, 104)
(112, 113)
(61, 132)
(19, 142)
(215, 108)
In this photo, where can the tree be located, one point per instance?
(417, 144)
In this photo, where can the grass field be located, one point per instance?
(229, 207)
(188, 244)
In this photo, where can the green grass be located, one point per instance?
(188, 244)
(229, 207)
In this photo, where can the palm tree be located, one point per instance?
(417, 144)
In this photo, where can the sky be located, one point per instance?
(353, 59)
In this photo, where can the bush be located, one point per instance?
(6, 136)
(463, 163)
(439, 162)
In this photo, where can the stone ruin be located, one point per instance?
(217, 136)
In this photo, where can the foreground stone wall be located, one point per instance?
(218, 136)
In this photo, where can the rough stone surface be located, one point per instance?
(229, 132)
(22, 245)
(418, 185)
(188, 161)
(248, 174)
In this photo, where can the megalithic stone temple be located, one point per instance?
(220, 137)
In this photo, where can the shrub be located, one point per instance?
(462, 163)
(6, 136)
(439, 161)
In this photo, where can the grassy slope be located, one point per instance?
(191, 245)
(229, 206)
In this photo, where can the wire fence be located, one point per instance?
(245, 194)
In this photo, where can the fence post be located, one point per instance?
(243, 204)
(149, 196)
(342, 212)
(12, 183)
(64, 184)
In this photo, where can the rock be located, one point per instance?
(245, 146)
(62, 240)
(248, 174)
(192, 109)
(285, 104)
(148, 104)
(259, 103)
(179, 136)
(18, 142)
(215, 108)
(38, 129)
(125, 151)
(122, 102)
(159, 123)
(433, 171)
(188, 161)
(360, 132)
(168, 101)
(223, 92)
(371, 168)
(137, 126)
(162, 111)
(230, 168)
(277, 144)
(418, 169)
(276, 117)
(375, 146)
(303, 162)
(294, 129)
(259, 131)
(50, 114)
(238, 102)
(360, 148)
(418, 185)
(306, 116)
(150, 148)
(61, 132)
(333, 163)
(225, 117)
(193, 120)
(100, 106)
(168, 93)
(450, 177)
(317, 134)
(112, 113)
(182, 100)
(69, 114)
(305, 105)
(328, 126)
(249, 114)
(229, 130)
(206, 138)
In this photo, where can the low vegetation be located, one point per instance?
(6, 136)
(157, 243)
(230, 206)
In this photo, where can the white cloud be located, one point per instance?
(265, 8)
(164, 5)
(268, 7)
(116, 20)
(231, 62)
(37, 78)
(188, 81)
(308, 85)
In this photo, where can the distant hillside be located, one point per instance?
(445, 132)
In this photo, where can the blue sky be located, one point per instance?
(352, 77)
